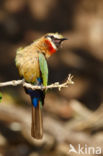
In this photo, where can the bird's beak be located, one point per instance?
(63, 39)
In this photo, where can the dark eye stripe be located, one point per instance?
(52, 37)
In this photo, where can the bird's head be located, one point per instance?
(52, 42)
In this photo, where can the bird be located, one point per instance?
(31, 62)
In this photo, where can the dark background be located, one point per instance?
(23, 21)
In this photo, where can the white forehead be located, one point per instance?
(56, 35)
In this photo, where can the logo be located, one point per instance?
(85, 149)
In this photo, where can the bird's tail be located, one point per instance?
(37, 121)
(37, 98)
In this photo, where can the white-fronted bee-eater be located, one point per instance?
(31, 62)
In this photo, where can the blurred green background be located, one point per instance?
(75, 113)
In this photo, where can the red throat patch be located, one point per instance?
(50, 47)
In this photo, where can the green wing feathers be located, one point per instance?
(43, 69)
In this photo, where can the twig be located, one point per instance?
(11, 83)
(33, 87)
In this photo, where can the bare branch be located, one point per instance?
(11, 83)
(33, 87)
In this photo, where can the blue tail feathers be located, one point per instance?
(36, 96)
(35, 101)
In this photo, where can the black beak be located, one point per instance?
(63, 39)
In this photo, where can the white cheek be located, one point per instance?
(53, 45)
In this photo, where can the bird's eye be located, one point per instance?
(52, 37)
